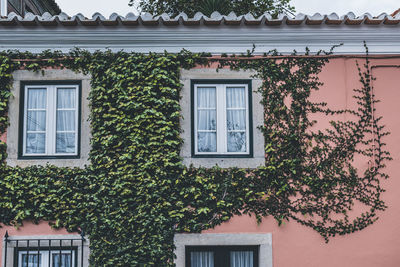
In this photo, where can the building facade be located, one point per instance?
(241, 241)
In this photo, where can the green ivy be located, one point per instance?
(136, 193)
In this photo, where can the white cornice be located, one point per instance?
(381, 39)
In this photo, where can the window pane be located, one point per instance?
(66, 260)
(65, 120)
(36, 120)
(202, 259)
(35, 143)
(37, 98)
(242, 259)
(207, 142)
(66, 98)
(31, 260)
(237, 142)
(65, 143)
(235, 97)
(207, 120)
(206, 97)
(236, 120)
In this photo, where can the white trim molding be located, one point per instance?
(227, 239)
(381, 39)
(215, 34)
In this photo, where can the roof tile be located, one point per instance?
(214, 20)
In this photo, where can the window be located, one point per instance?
(50, 120)
(46, 258)
(222, 118)
(222, 256)
(223, 250)
(49, 251)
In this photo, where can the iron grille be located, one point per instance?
(46, 252)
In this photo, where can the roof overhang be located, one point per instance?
(217, 34)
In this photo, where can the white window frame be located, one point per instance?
(221, 110)
(51, 119)
(45, 256)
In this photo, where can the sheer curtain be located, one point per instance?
(66, 113)
(202, 259)
(236, 118)
(206, 119)
(31, 260)
(242, 258)
(65, 260)
(36, 121)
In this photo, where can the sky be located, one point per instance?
(341, 7)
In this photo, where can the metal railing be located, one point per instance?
(49, 247)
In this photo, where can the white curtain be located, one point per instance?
(66, 113)
(37, 98)
(202, 259)
(66, 98)
(65, 260)
(242, 258)
(236, 118)
(31, 260)
(206, 119)
(36, 121)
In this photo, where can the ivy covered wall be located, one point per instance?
(136, 193)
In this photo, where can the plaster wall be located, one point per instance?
(292, 244)
(379, 244)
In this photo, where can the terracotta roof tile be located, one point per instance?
(214, 20)
(395, 13)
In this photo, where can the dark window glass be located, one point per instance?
(62, 260)
(222, 256)
(31, 260)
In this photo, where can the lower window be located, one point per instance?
(46, 258)
(49, 251)
(222, 256)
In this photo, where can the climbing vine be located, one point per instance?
(136, 193)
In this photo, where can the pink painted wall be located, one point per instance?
(379, 244)
(3, 137)
(296, 245)
(28, 229)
